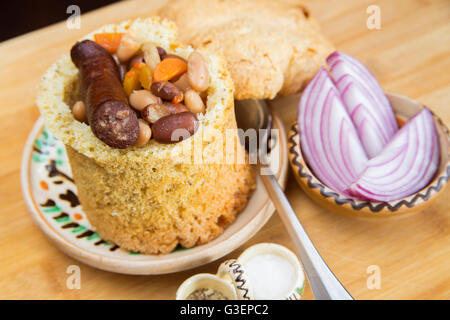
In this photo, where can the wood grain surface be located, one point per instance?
(410, 55)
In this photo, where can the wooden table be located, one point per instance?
(410, 54)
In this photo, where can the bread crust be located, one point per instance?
(271, 46)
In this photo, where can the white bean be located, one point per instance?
(128, 47)
(154, 112)
(197, 71)
(151, 55)
(145, 133)
(79, 111)
(182, 82)
(193, 101)
(139, 99)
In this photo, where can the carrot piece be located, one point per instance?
(110, 40)
(178, 98)
(131, 81)
(168, 69)
(145, 76)
(138, 66)
(139, 75)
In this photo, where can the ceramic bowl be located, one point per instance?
(404, 109)
(51, 196)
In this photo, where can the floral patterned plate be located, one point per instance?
(51, 196)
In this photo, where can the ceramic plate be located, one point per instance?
(51, 196)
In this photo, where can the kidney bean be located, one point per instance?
(175, 128)
(165, 90)
(162, 53)
(135, 59)
(175, 107)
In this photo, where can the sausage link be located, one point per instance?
(111, 118)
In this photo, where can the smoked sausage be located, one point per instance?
(111, 119)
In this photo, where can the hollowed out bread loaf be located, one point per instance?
(271, 46)
(151, 199)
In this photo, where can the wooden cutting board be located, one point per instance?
(410, 54)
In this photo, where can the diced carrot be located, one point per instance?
(168, 69)
(109, 40)
(131, 81)
(138, 66)
(178, 98)
(139, 75)
(145, 76)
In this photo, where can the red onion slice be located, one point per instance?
(329, 140)
(365, 99)
(405, 166)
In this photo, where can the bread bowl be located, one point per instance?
(151, 199)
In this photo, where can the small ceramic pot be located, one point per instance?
(296, 285)
(260, 279)
(404, 109)
(233, 272)
(208, 281)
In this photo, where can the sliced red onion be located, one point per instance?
(365, 101)
(405, 166)
(328, 137)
